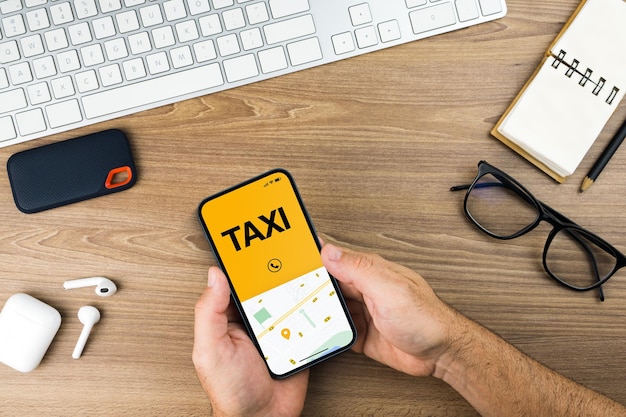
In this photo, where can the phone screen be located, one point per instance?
(266, 245)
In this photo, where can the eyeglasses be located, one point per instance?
(575, 257)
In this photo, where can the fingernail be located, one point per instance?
(212, 277)
(334, 253)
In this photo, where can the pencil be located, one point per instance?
(604, 158)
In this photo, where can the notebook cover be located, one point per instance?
(70, 171)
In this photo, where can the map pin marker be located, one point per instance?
(285, 333)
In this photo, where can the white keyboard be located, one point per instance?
(66, 64)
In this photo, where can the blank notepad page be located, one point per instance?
(563, 108)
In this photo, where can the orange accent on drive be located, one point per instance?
(115, 179)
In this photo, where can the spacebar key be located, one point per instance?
(152, 91)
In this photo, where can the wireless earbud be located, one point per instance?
(88, 316)
(104, 286)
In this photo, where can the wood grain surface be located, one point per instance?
(374, 143)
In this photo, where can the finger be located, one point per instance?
(211, 320)
(360, 272)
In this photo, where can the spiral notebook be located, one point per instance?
(566, 103)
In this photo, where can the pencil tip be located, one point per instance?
(586, 184)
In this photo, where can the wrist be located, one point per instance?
(458, 348)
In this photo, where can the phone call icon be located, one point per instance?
(274, 265)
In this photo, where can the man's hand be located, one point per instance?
(229, 367)
(399, 319)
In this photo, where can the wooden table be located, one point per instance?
(374, 144)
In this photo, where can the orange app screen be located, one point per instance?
(261, 235)
(267, 248)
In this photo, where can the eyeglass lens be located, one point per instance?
(574, 257)
(500, 209)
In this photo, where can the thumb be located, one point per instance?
(367, 273)
(211, 320)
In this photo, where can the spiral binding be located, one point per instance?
(585, 77)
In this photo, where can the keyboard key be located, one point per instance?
(92, 55)
(109, 5)
(115, 49)
(30, 122)
(220, 4)
(151, 15)
(157, 63)
(233, 19)
(163, 37)
(174, 10)
(79, 33)
(198, 6)
(103, 27)
(7, 129)
(360, 14)
(38, 93)
(31, 46)
(34, 3)
(139, 43)
(86, 81)
(289, 29)
(44, 67)
(251, 39)
(85, 8)
(56, 39)
(282, 8)
(228, 45)
(240, 68)
(467, 10)
(9, 52)
(20, 73)
(12, 100)
(134, 69)
(110, 75)
(181, 57)
(389, 31)
(13, 26)
(210, 25)
(62, 87)
(489, 7)
(430, 18)
(64, 113)
(187, 31)
(10, 6)
(273, 59)
(68, 61)
(204, 51)
(152, 91)
(61, 13)
(257, 13)
(37, 19)
(366, 37)
(415, 3)
(305, 51)
(343, 43)
(127, 21)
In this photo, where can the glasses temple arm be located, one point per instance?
(516, 190)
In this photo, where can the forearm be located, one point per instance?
(498, 380)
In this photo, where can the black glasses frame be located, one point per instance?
(544, 213)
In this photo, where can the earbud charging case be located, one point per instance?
(27, 327)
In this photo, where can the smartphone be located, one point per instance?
(266, 245)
